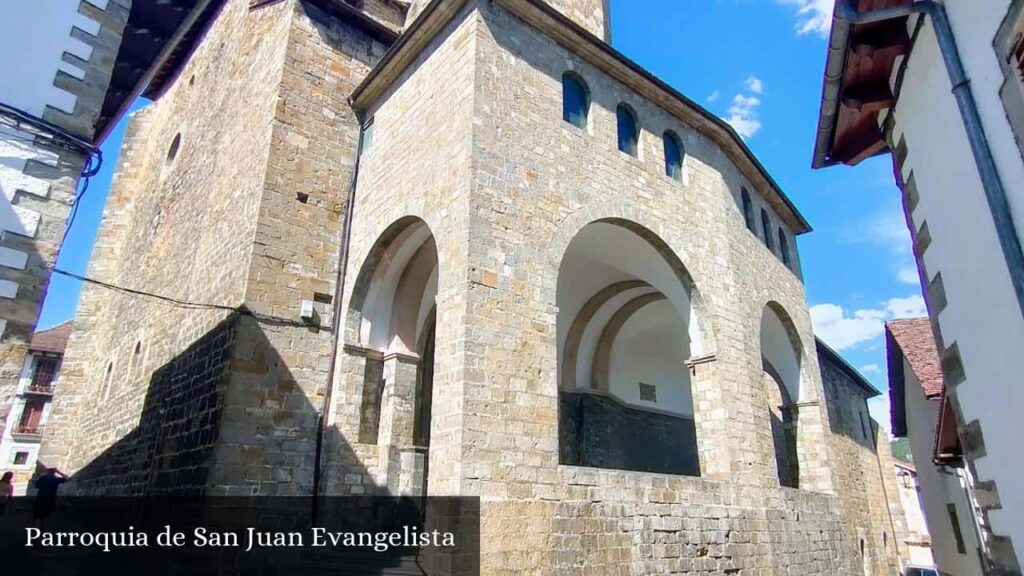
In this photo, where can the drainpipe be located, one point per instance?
(339, 290)
(995, 194)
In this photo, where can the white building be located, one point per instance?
(921, 413)
(22, 433)
(58, 63)
(918, 540)
(939, 85)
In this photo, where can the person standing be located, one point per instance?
(6, 492)
(46, 493)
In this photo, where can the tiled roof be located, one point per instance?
(53, 340)
(917, 344)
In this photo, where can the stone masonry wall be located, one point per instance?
(247, 215)
(502, 213)
(600, 431)
(268, 440)
(170, 449)
(867, 483)
(175, 225)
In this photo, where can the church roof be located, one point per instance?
(541, 16)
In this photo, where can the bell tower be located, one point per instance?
(594, 15)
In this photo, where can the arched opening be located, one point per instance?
(391, 330)
(628, 130)
(673, 155)
(575, 100)
(780, 360)
(172, 152)
(627, 327)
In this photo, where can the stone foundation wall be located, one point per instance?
(601, 432)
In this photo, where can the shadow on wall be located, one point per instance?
(226, 416)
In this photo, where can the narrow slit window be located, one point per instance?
(673, 156)
(628, 131)
(575, 100)
(766, 227)
(748, 210)
(784, 247)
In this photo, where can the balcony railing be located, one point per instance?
(35, 388)
(28, 432)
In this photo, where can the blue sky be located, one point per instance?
(758, 64)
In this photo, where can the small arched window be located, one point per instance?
(575, 100)
(766, 227)
(628, 132)
(748, 210)
(784, 247)
(172, 150)
(673, 156)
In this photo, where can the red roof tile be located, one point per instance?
(53, 340)
(917, 343)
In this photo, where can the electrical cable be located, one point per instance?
(185, 304)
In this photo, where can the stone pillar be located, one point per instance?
(710, 420)
(396, 457)
(812, 447)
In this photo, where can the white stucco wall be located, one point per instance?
(939, 486)
(9, 445)
(982, 316)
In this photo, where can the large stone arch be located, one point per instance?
(782, 362)
(399, 272)
(629, 327)
(387, 356)
(664, 241)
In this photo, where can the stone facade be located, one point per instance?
(469, 190)
(39, 179)
(248, 173)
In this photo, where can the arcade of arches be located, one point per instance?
(630, 337)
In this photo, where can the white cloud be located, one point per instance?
(888, 231)
(812, 16)
(869, 369)
(842, 330)
(878, 407)
(908, 275)
(743, 115)
(755, 85)
(713, 96)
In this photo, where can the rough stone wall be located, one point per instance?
(594, 15)
(502, 212)
(600, 431)
(269, 435)
(180, 228)
(402, 175)
(866, 484)
(169, 451)
(38, 183)
(248, 215)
